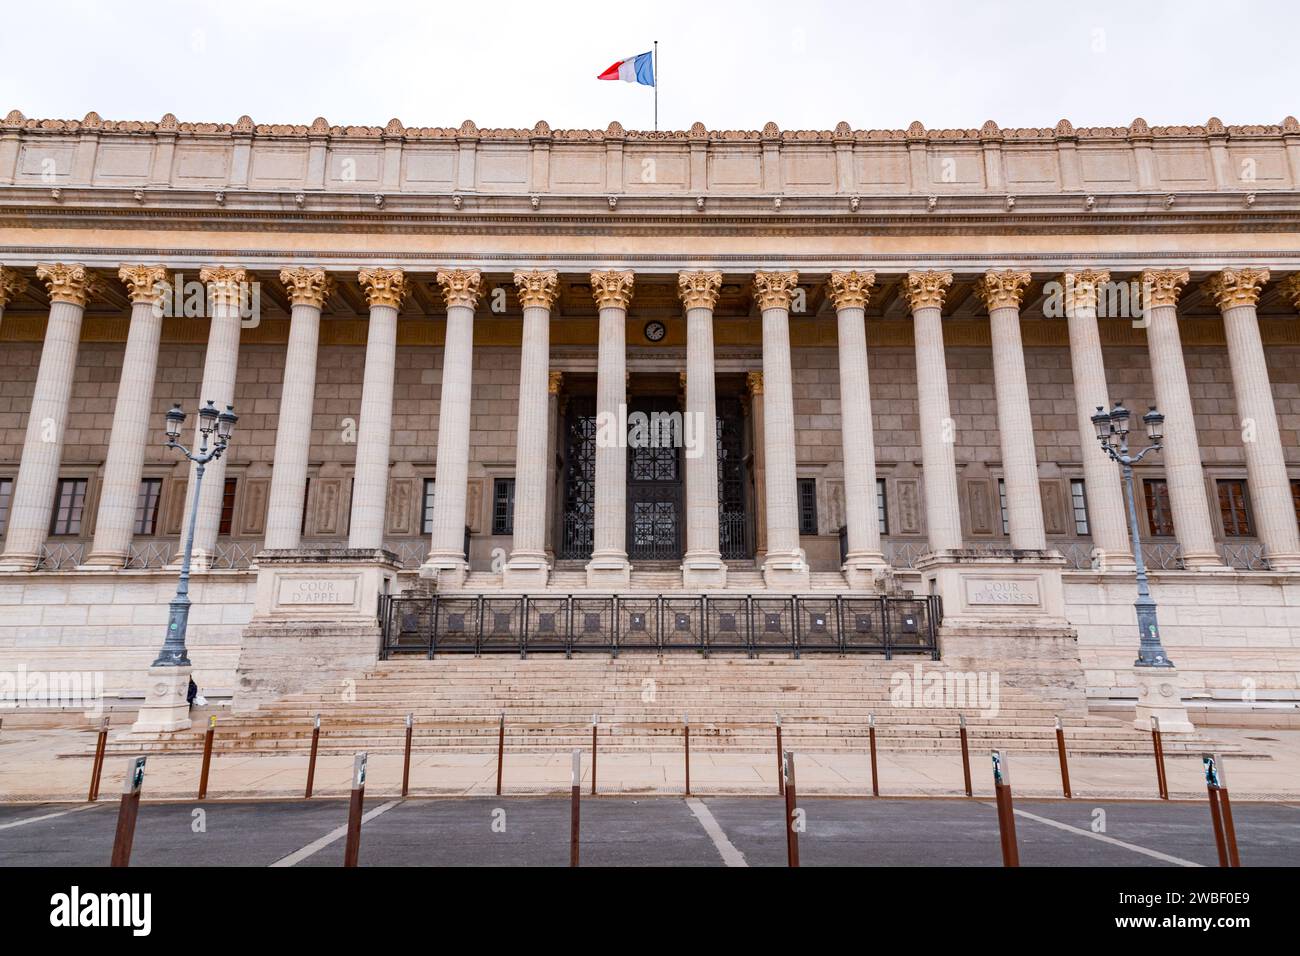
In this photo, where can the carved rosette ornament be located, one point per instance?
(926, 290)
(1002, 290)
(145, 283)
(1291, 290)
(307, 286)
(225, 285)
(1162, 286)
(384, 286)
(537, 289)
(612, 289)
(1081, 288)
(1234, 288)
(851, 290)
(74, 284)
(555, 382)
(699, 290)
(461, 287)
(774, 290)
(754, 381)
(12, 285)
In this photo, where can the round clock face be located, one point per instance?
(654, 331)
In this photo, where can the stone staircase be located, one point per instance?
(548, 703)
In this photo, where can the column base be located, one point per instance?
(1113, 560)
(609, 570)
(1204, 562)
(1283, 562)
(19, 562)
(864, 570)
(786, 571)
(526, 571)
(1159, 696)
(199, 561)
(165, 709)
(448, 570)
(104, 561)
(704, 569)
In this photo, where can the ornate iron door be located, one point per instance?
(654, 491)
(578, 529)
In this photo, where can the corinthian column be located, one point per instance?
(1182, 449)
(446, 559)
(38, 470)
(12, 285)
(1001, 292)
(849, 293)
(119, 497)
(702, 565)
(527, 568)
(385, 289)
(225, 295)
(1101, 484)
(608, 567)
(308, 289)
(1236, 291)
(786, 565)
(925, 293)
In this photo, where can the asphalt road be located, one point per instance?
(651, 831)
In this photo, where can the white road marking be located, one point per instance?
(297, 856)
(1156, 854)
(47, 816)
(726, 849)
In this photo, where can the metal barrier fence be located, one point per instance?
(569, 624)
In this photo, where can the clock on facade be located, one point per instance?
(654, 331)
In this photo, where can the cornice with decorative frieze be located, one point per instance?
(1233, 288)
(926, 290)
(74, 283)
(537, 288)
(699, 290)
(612, 289)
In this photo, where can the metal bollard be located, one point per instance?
(406, 761)
(780, 770)
(1158, 748)
(353, 847)
(207, 755)
(575, 807)
(965, 754)
(871, 737)
(594, 720)
(686, 737)
(311, 762)
(1006, 809)
(1225, 834)
(1065, 766)
(127, 812)
(501, 748)
(791, 806)
(97, 768)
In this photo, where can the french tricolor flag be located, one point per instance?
(635, 69)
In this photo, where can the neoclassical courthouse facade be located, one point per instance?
(440, 343)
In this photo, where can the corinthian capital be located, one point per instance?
(554, 382)
(612, 289)
(144, 283)
(307, 286)
(1291, 289)
(774, 290)
(1081, 288)
(12, 285)
(383, 286)
(537, 288)
(699, 290)
(754, 380)
(460, 287)
(1231, 288)
(74, 283)
(225, 285)
(1161, 286)
(925, 290)
(851, 290)
(1002, 290)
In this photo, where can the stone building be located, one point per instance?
(891, 342)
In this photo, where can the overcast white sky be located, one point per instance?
(733, 65)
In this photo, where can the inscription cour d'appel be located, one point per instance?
(299, 591)
(995, 591)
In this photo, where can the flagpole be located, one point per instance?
(656, 65)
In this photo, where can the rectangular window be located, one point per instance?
(1232, 507)
(1002, 505)
(882, 512)
(1079, 503)
(426, 507)
(146, 506)
(6, 496)
(807, 505)
(228, 506)
(503, 506)
(69, 504)
(1160, 516)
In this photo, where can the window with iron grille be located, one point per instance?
(426, 507)
(1160, 514)
(69, 504)
(6, 496)
(807, 505)
(228, 506)
(503, 506)
(1079, 504)
(882, 512)
(1002, 505)
(146, 506)
(1233, 507)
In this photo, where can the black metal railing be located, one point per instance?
(426, 625)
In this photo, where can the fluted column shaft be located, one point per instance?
(374, 431)
(702, 564)
(124, 463)
(1103, 491)
(38, 469)
(613, 292)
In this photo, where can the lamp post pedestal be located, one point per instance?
(165, 709)
(1159, 696)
